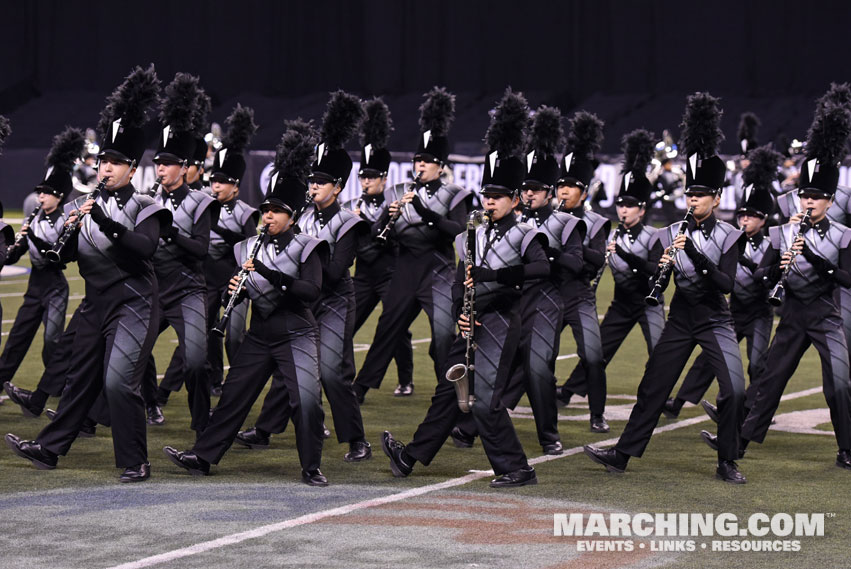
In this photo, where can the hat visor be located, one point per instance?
(321, 178)
(270, 203)
(370, 173)
(694, 188)
(45, 189)
(494, 190)
(115, 155)
(222, 178)
(426, 157)
(628, 201)
(168, 158)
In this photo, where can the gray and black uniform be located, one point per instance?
(699, 315)
(507, 254)
(334, 311)
(282, 340)
(809, 315)
(580, 313)
(182, 303)
(115, 333)
(423, 276)
(632, 264)
(7, 237)
(752, 321)
(45, 299)
(376, 262)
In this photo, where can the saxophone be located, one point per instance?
(459, 374)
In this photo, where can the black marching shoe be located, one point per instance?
(314, 478)
(87, 430)
(138, 473)
(23, 398)
(563, 396)
(522, 477)
(216, 390)
(711, 410)
(609, 458)
(326, 432)
(360, 392)
(599, 424)
(728, 471)
(252, 439)
(188, 460)
(50, 414)
(555, 448)
(712, 442)
(394, 451)
(404, 390)
(670, 409)
(843, 459)
(41, 458)
(358, 451)
(461, 439)
(154, 415)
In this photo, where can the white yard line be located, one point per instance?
(261, 531)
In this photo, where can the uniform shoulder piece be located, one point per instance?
(731, 235)
(530, 234)
(149, 207)
(458, 193)
(8, 232)
(571, 223)
(310, 244)
(351, 220)
(775, 234)
(203, 203)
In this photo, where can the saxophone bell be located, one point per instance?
(460, 378)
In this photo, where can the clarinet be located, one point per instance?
(655, 296)
(382, 236)
(19, 236)
(618, 231)
(153, 191)
(54, 255)
(242, 275)
(778, 293)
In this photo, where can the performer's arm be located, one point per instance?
(342, 259)
(595, 252)
(198, 243)
(141, 241)
(570, 255)
(723, 274)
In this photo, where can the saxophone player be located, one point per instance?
(704, 258)
(505, 255)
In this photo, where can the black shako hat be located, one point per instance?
(826, 146)
(505, 137)
(124, 115)
(638, 148)
(436, 115)
(228, 162)
(288, 182)
(546, 137)
(758, 179)
(341, 120)
(583, 140)
(701, 136)
(375, 133)
(177, 140)
(66, 149)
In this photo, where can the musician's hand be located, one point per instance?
(234, 282)
(464, 324)
(611, 246)
(86, 208)
(248, 265)
(356, 211)
(408, 197)
(394, 207)
(665, 260)
(680, 242)
(25, 229)
(796, 219)
(72, 219)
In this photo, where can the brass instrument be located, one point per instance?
(242, 275)
(778, 293)
(19, 236)
(55, 255)
(618, 231)
(459, 374)
(385, 231)
(655, 296)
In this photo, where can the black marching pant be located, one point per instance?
(293, 358)
(419, 283)
(801, 325)
(580, 313)
(707, 324)
(497, 339)
(113, 340)
(371, 285)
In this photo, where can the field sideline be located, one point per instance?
(254, 512)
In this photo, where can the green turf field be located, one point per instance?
(78, 516)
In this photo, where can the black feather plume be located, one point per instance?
(701, 126)
(507, 131)
(749, 125)
(295, 152)
(131, 99)
(200, 118)
(5, 130)
(586, 134)
(829, 132)
(437, 112)
(66, 148)
(241, 128)
(638, 147)
(180, 102)
(762, 170)
(547, 135)
(838, 93)
(341, 120)
(377, 125)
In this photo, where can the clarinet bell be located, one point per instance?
(53, 256)
(219, 328)
(777, 295)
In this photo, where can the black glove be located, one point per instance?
(276, 278)
(553, 253)
(482, 274)
(772, 274)
(620, 251)
(428, 215)
(511, 276)
(822, 266)
(747, 263)
(169, 233)
(98, 215)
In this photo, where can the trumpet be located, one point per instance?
(655, 296)
(778, 293)
(221, 326)
(153, 191)
(19, 236)
(382, 236)
(459, 374)
(618, 231)
(54, 255)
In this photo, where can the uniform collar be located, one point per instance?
(578, 211)
(229, 205)
(176, 196)
(500, 227)
(431, 187)
(281, 240)
(541, 214)
(822, 226)
(122, 195)
(53, 215)
(325, 215)
(634, 231)
(706, 226)
(756, 239)
(375, 199)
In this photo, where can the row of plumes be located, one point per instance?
(514, 128)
